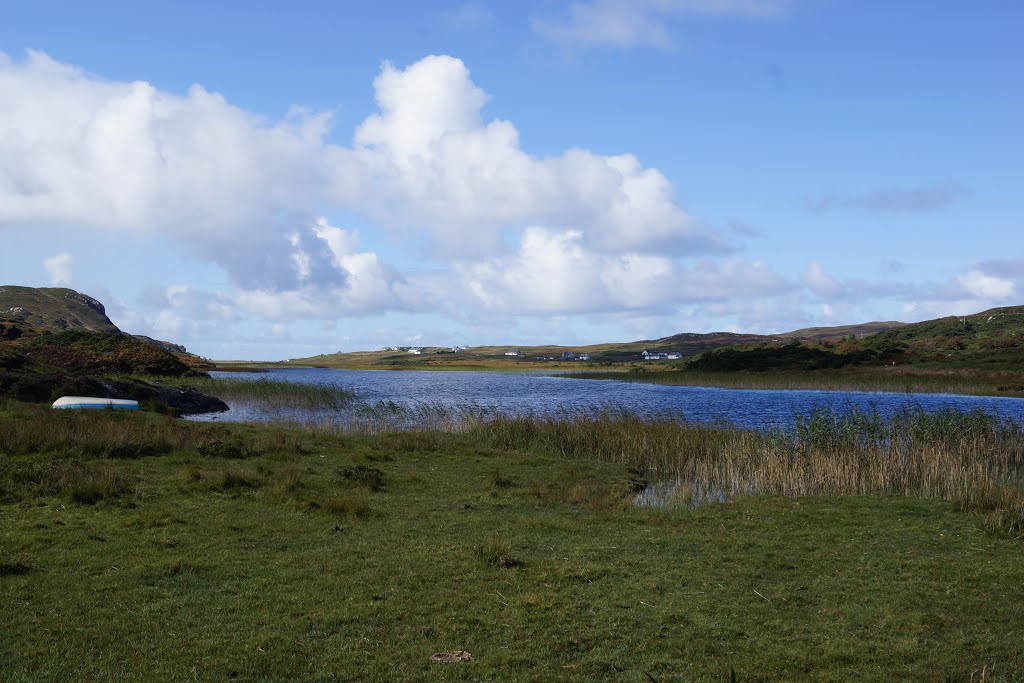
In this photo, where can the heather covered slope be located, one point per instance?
(838, 332)
(989, 339)
(76, 363)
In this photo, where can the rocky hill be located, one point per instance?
(56, 342)
(28, 312)
(53, 309)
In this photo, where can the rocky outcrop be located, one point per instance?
(54, 309)
(189, 401)
(170, 347)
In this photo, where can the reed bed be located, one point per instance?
(975, 460)
(383, 417)
(271, 394)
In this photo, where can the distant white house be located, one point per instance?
(674, 355)
(583, 356)
(415, 351)
(654, 355)
(458, 349)
(513, 352)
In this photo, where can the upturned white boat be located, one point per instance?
(66, 402)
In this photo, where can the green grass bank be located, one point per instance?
(139, 547)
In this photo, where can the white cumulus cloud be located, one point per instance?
(77, 149)
(820, 282)
(60, 268)
(557, 272)
(244, 193)
(440, 171)
(985, 286)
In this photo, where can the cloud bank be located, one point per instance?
(427, 168)
(485, 230)
(60, 267)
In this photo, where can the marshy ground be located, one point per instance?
(140, 547)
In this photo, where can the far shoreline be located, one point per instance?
(898, 380)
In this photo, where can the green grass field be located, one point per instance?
(139, 547)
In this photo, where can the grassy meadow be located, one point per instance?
(140, 547)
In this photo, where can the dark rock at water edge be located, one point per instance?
(189, 401)
(39, 387)
(183, 400)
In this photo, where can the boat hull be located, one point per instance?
(94, 403)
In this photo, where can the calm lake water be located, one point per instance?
(542, 393)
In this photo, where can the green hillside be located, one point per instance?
(990, 339)
(52, 309)
(840, 331)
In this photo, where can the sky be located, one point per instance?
(269, 180)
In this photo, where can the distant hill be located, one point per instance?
(994, 323)
(841, 331)
(992, 339)
(689, 344)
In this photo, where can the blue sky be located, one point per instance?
(271, 180)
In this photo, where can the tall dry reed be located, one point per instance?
(973, 459)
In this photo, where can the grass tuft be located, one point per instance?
(347, 505)
(496, 551)
(371, 478)
(237, 480)
(498, 481)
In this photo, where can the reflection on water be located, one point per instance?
(677, 494)
(441, 396)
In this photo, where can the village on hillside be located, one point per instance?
(519, 354)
